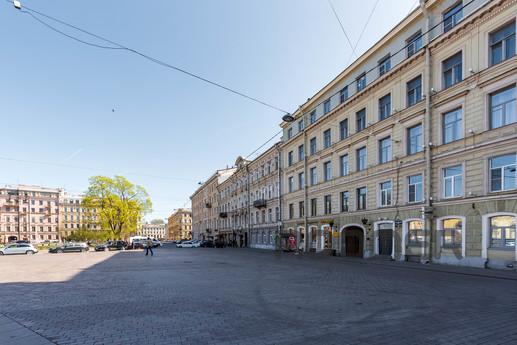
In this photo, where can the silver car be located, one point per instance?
(18, 248)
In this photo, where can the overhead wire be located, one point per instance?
(342, 27)
(118, 46)
(362, 31)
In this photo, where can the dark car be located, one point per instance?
(117, 245)
(101, 247)
(70, 247)
(207, 244)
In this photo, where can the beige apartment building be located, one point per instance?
(204, 201)
(157, 231)
(179, 225)
(411, 152)
(29, 213)
(74, 216)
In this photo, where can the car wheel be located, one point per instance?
(59, 251)
(1, 253)
(29, 252)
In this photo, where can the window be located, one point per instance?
(326, 139)
(301, 209)
(453, 181)
(301, 125)
(345, 201)
(452, 16)
(343, 129)
(502, 232)
(360, 117)
(414, 91)
(415, 188)
(289, 133)
(312, 116)
(385, 107)
(361, 82)
(452, 233)
(301, 152)
(290, 158)
(326, 106)
(291, 211)
(328, 204)
(414, 142)
(343, 160)
(385, 194)
(384, 65)
(361, 158)
(416, 234)
(452, 70)
(361, 198)
(502, 173)
(314, 209)
(327, 171)
(502, 107)
(314, 176)
(312, 145)
(384, 150)
(343, 94)
(290, 184)
(414, 44)
(502, 44)
(301, 180)
(452, 126)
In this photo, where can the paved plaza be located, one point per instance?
(242, 296)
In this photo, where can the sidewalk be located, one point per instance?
(14, 333)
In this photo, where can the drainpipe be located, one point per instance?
(305, 193)
(279, 226)
(248, 239)
(428, 211)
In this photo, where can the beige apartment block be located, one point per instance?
(74, 216)
(411, 152)
(29, 213)
(157, 231)
(179, 225)
(204, 206)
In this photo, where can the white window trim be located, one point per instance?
(376, 236)
(463, 74)
(485, 226)
(442, 181)
(407, 189)
(489, 174)
(379, 194)
(405, 231)
(439, 227)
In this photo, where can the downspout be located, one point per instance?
(305, 193)
(428, 210)
(248, 238)
(279, 226)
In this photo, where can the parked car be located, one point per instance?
(185, 244)
(207, 244)
(18, 248)
(116, 245)
(70, 247)
(196, 243)
(101, 247)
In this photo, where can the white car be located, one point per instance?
(187, 244)
(18, 248)
(196, 243)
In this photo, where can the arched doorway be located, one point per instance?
(384, 239)
(353, 241)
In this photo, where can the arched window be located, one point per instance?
(502, 232)
(452, 233)
(416, 235)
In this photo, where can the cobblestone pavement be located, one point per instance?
(241, 296)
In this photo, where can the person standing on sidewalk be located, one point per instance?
(149, 246)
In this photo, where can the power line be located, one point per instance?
(362, 32)
(264, 144)
(118, 46)
(342, 28)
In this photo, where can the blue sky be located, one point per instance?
(168, 131)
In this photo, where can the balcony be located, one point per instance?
(223, 214)
(260, 203)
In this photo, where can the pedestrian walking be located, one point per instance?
(149, 247)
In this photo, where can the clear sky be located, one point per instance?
(168, 131)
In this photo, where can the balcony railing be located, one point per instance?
(260, 203)
(223, 214)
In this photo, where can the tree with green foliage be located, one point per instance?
(119, 204)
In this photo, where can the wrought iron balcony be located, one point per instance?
(260, 203)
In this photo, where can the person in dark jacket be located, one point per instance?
(149, 246)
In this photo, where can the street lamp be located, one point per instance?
(288, 117)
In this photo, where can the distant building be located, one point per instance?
(157, 231)
(29, 213)
(179, 226)
(74, 216)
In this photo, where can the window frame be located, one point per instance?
(453, 182)
(384, 106)
(412, 41)
(453, 69)
(491, 107)
(327, 171)
(360, 118)
(327, 138)
(503, 43)
(382, 150)
(345, 207)
(447, 14)
(460, 129)
(417, 92)
(359, 159)
(502, 170)
(360, 82)
(420, 147)
(384, 64)
(385, 194)
(409, 184)
(361, 205)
